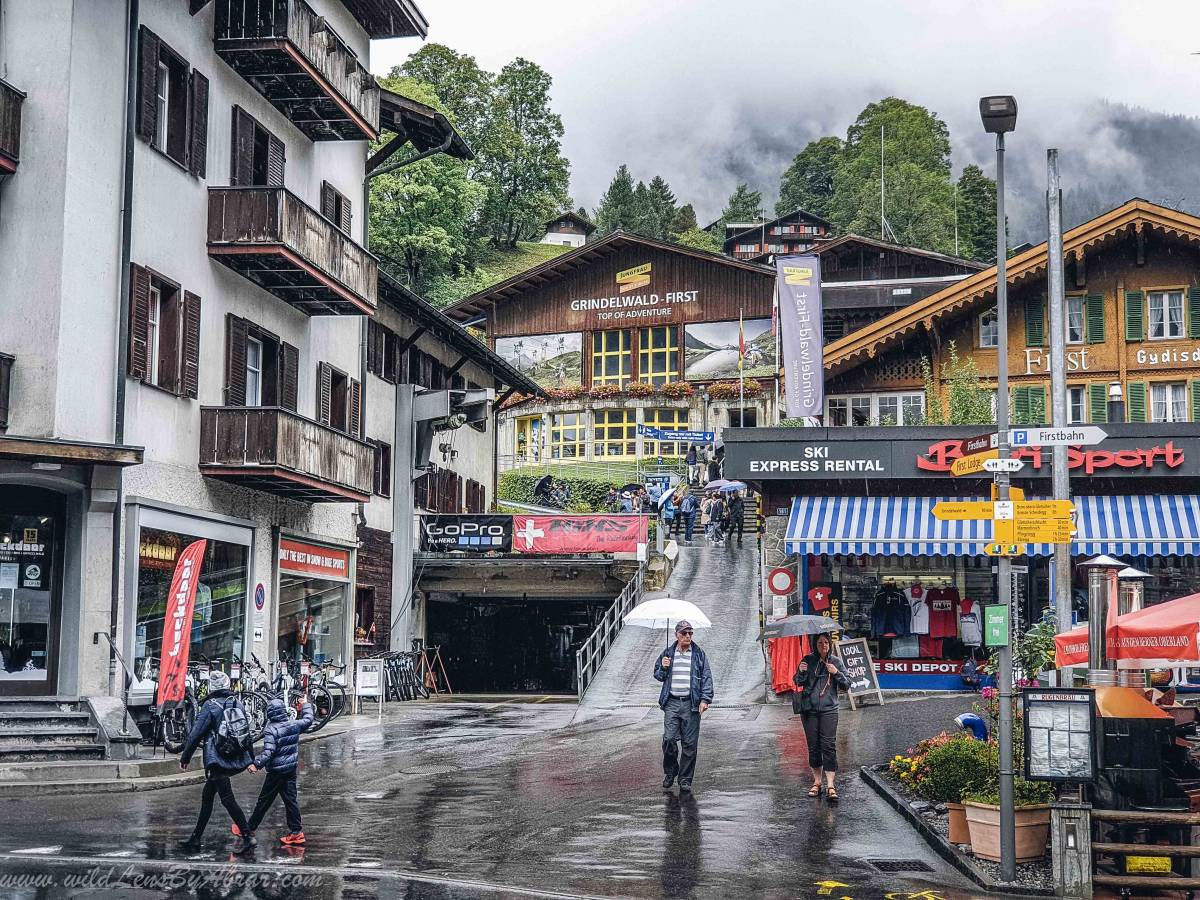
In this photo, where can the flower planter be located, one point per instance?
(1033, 830)
(959, 832)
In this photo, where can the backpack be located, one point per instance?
(234, 735)
(689, 505)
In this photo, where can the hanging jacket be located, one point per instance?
(890, 614)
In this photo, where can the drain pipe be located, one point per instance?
(131, 41)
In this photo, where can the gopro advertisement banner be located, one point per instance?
(800, 319)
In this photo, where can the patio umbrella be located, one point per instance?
(718, 484)
(799, 624)
(731, 487)
(1165, 631)
(664, 612)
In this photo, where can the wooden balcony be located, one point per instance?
(10, 128)
(293, 58)
(277, 451)
(282, 244)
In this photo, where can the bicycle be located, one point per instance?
(173, 726)
(336, 689)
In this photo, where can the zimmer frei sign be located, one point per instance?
(626, 305)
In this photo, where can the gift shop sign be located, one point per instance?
(300, 558)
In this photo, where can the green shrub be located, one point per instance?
(587, 494)
(1025, 793)
(956, 766)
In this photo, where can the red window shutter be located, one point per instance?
(190, 380)
(356, 404)
(346, 216)
(328, 201)
(198, 124)
(324, 393)
(241, 161)
(139, 322)
(275, 161)
(235, 360)
(147, 108)
(289, 376)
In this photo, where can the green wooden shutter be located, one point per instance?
(1093, 306)
(1035, 322)
(1135, 316)
(1098, 402)
(1195, 389)
(1037, 406)
(1193, 312)
(1020, 404)
(1135, 401)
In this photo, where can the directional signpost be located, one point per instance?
(1015, 523)
(1011, 466)
(1072, 436)
(975, 463)
(661, 434)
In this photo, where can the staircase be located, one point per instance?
(38, 729)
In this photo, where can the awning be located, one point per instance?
(905, 526)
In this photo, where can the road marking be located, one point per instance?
(365, 864)
(377, 796)
(39, 850)
(117, 853)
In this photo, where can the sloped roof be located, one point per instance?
(845, 240)
(471, 307)
(1135, 215)
(775, 221)
(423, 125)
(575, 217)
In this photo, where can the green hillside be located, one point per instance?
(494, 265)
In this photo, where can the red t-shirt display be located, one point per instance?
(943, 612)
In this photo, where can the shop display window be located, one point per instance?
(313, 619)
(219, 614)
(30, 565)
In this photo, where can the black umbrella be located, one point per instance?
(633, 487)
(543, 485)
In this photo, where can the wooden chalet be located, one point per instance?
(795, 232)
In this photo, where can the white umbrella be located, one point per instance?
(663, 612)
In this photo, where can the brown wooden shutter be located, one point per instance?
(289, 376)
(147, 109)
(189, 381)
(324, 393)
(356, 403)
(139, 322)
(275, 161)
(198, 124)
(373, 335)
(328, 201)
(241, 160)
(346, 216)
(235, 360)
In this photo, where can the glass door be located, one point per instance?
(31, 524)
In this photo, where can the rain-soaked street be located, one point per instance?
(522, 798)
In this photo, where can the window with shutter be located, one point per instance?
(1098, 402)
(1135, 401)
(289, 376)
(1037, 405)
(373, 336)
(1194, 390)
(1135, 316)
(335, 207)
(1020, 401)
(158, 326)
(355, 402)
(257, 155)
(235, 360)
(190, 380)
(324, 392)
(147, 109)
(1193, 309)
(139, 321)
(1094, 307)
(275, 161)
(198, 125)
(166, 99)
(1035, 322)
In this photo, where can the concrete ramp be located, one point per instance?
(723, 582)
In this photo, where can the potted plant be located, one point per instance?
(678, 389)
(954, 768)
(1032, 802)
(640, 389)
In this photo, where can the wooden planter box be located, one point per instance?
(1033, 830)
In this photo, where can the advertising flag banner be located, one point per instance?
(177, 625)
(800, 311)
(578, 534)
(741, 342)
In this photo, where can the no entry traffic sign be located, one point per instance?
(781, 581)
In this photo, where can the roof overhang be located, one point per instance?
(423, 126)
(51, 450)
(389, 18)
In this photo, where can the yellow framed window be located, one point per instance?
(611, 359)
(615, 432)
(658, 354)
(529, 438)
(668, 420)
(566, 436)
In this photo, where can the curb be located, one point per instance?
(943, 847)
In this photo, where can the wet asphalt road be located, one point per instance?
(512, 799)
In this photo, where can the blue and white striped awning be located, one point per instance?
(905, 526)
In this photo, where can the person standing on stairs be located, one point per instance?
(687, 691)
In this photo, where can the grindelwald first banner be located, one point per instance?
(799, 290)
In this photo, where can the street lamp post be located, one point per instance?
(999, 115)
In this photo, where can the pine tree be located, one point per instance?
(976, 215)
(685, 220)
(663, 201)
(616, 208)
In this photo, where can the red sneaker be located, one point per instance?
(291, 840)
(235, 829)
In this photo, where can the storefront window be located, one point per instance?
(610, 357)
(30, 526)
(658, 354)
(566, 436)
(218, 617)
(616, 432)
(315, 622)
(667, 420)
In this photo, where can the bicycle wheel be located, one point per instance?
(255, 705)
(340, 698)
(177, 724)
(322, 702)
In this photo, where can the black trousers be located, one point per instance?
(217, 785)
(681, 739)
(820, 730)
(738, 524)
(281, 784)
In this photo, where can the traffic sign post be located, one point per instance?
(1072, 436)
(960, 510)
(1011, 466)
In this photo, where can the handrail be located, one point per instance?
(129, 679)
(590, 656)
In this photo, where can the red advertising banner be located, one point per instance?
(578, 534)
(177, 624)
(300, 558)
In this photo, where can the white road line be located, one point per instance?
(39, 850)
(122, 854)
(377, 796)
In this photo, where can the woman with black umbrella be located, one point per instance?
(818, 679)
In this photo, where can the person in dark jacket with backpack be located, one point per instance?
(818, 679)
(281, 758)
(688, 508)
(224, 729)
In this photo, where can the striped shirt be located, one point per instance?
(681, 673)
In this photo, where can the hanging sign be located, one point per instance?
(177, 625)
(578, 534)
(466, 533)
(798, 283)
(995, 625)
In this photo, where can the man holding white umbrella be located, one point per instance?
(687, 691)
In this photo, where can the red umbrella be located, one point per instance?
(1165, 631)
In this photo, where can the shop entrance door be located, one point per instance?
(31, 527)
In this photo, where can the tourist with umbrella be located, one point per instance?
(818, 679)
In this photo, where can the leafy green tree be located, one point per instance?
(698, 239)
(967, 402)
(465, 90)
(808, 182)
(976, 215)
(523, 168)
(685, 220)
(616, 209)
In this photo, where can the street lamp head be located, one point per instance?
(999, 113)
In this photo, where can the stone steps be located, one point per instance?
(39, 729)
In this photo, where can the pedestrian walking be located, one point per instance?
(716, 519)
(687, 691)
(670, 515)
(280, 758)
(818, 679)
(224, 729)
(737, 515)
(692, 464)
(688, 509)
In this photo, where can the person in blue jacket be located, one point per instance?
(218, 768)
(687, 691)
(281, 758)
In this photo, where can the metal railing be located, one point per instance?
(590, 657)
(613, 469)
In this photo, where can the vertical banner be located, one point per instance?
(800, 311)
(177, 624)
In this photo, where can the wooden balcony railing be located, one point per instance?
(10, 128)
(279, 242)
(283, 453)
(296, 60)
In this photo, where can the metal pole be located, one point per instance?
(1097, 616)
(1058, 382)
(1008, 834)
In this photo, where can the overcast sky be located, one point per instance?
(711, 93)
